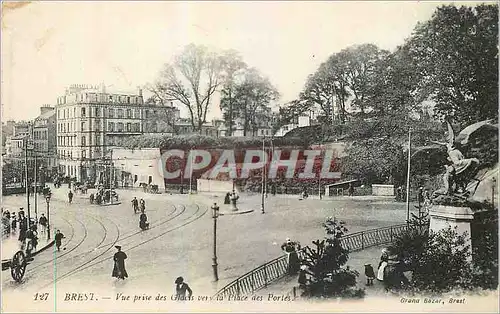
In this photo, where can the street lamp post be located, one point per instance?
(408, 179)
(215, 215)
(263, 175)
(47, 199)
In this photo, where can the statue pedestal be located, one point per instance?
(443, 217)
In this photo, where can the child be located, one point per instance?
(370, 274)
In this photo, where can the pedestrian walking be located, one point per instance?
(142, 205)
(43, 222)
(119, 258)
(70, 196)
(143, 221)
(58, 237)
(181, 288)
(135, 205)
(351, 189)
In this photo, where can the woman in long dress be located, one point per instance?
(119, 258)
(382, 265)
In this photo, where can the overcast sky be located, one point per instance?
(50, 45)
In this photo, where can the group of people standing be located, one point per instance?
(391, 274)
(140, 205)
(231, 198)
(27, 230)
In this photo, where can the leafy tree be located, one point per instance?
(455, 54)
(374, 160)
(359, 63)
(328, 278)
(252, 96)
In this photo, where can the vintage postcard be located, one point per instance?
(291, 156)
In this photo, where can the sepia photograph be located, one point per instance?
(249, 156)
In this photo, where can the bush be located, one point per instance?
(441, 262)
(325, 261)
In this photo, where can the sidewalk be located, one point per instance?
(357, 260)
(11, 244)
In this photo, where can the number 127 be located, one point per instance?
(41, 296)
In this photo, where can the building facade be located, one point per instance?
(44, 139)
(91, 121)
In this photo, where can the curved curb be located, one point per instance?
(108, 204)
(236, 212)
(49, 244)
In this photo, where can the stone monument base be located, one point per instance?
(442, 217)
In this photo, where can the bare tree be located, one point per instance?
(192, 79)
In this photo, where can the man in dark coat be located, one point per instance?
(135, 205)
(70, 196)
(119, 258)
(23, 226)
(43, 222)
(180, 289)
(227, 199)
(59, 236)
(143, 221)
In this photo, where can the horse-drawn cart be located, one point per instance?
(17, 265)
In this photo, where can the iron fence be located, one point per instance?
(265, 274)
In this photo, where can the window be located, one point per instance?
(110, 98)
(120, 127)
(128, 100)
(137, 127)
(84, 154)
(147, 114)
(111, 112)
(97, 112)
(84, 141)
(83, 112)
(84, 127)
(128, 127)
(129, 113)
(111, 127)
(97, 140)
(120, 113)
(137, 113)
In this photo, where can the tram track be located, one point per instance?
(69, 273)
(80, 268)
(85, 235)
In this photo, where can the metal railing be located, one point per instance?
(265, 274)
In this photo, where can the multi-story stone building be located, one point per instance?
(91, 121)
(14, 142)
(44, 139)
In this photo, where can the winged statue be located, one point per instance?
(478, 141)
